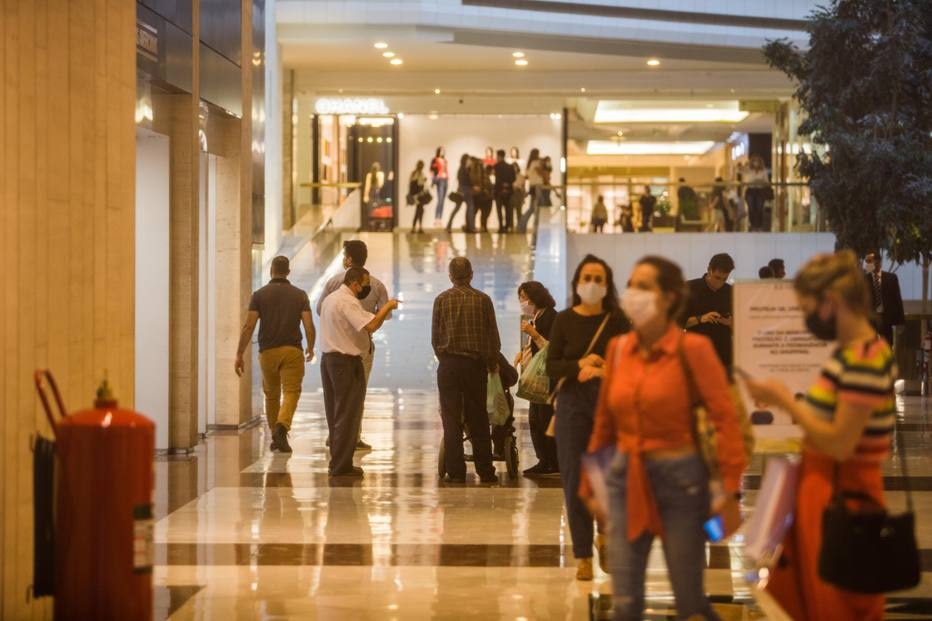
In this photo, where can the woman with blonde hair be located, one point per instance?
(848, 419)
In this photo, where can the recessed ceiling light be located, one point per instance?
(653, 62)
(436, 91)
(582, 90)
(521, 62)
(381, 45)
(620, 133)
(518, 54)
(388, 54)
(396, 61)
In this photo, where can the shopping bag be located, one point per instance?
(593, 484)
(773, 511)
(496, 404)
(534, 383)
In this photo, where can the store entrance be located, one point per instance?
(372, 147)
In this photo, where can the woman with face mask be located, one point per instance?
(848, 419)
(576, 361)
(538, 309)
(658, 481)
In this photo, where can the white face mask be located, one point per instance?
(527, 309)
(591, 293)
(640, 306)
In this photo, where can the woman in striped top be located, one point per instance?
(848, 419)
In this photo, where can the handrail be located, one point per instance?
(350, 185)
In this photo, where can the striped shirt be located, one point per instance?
(862, 375)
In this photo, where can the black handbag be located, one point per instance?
(869, 550)
(456, 197)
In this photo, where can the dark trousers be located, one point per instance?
(647, 213)
(545, 447)
(505, 212)
(461, 382)
(344, 383)
(418, 217)
(755, 209)
(484, 207)
(575, 413)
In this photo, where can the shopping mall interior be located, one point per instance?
(158, 154)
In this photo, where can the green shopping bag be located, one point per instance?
(534, 383)
(495, 402)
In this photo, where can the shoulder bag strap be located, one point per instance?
(592, 343)
(694, 397)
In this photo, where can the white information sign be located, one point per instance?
(771, 340)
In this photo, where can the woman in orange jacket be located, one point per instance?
(658, 482)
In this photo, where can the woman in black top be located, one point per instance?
(595, 302)
(538, 304)
(464, 187)
(416, 184)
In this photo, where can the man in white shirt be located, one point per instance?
(355, 254)
(345, 331)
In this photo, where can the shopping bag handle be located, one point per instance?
(43, 397)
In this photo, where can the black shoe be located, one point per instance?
(452, 479)
(468, 457)
(535, 470)
(497, 457)
(363, 446)
(280, 439)
(355, 471)
(488, 478)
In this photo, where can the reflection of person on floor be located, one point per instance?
(465, 339)
(280, 308)
(355, 254)
(345, 329)
(848, 419)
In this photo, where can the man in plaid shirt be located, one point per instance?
(465, 339)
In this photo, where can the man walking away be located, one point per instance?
(886, 299)
(465, 339)
(355, 254)
(280, 308)
(345, 336)
(709, 311)
(504, 189)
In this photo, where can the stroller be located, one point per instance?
(504, 442)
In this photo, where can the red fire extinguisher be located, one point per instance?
(103, 510)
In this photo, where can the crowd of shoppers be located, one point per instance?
(613, 363)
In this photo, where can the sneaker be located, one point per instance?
(602, 546)
(355, 471)
(363, 446)
(280, 439)
(584, 569)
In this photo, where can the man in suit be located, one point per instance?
(885, 296)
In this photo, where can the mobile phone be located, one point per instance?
(714, 529)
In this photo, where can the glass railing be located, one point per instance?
(710, 207)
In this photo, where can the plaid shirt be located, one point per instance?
(464, 325)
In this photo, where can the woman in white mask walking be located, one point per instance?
(658, 481)
(576, 361)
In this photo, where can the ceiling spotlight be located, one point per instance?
(388, 54)
(396, 61)
(432, 116)
(620, 133)
(521, 62)
(653, 62)
(582, 90)
(518, 54)
(436, 91)
(381, 45)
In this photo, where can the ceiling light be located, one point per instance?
(653, 62)
(556, 116)
(396, 61)
(432, 116)
(388, 54)
(518, 54)
(521, 62)
(381, 45)
(613, 147)
(620, 133)
(582, 90)
(667, 112)
(436, 91)
(400, 115)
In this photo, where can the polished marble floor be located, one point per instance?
(245, 534)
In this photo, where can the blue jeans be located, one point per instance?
(575, 413)
(441, 185)
(681, 490)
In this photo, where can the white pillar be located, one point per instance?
(273, 135)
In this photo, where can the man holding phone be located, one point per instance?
(709, 311)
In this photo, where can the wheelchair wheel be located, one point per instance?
(441, 464)
(510, 449)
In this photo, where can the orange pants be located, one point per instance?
(795, 583)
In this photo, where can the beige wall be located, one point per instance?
(67, 145)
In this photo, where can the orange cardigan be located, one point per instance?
(644, 405)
